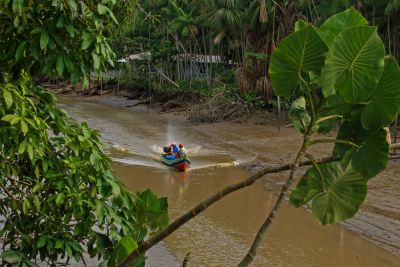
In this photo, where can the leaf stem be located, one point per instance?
(328, 118)
(315, 164)
(310, 98)
(328, 141)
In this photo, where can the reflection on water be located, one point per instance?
(222, 234)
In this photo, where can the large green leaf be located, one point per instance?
(373, 156)
(127, 245)
(336, 191)
(385, 102)
(332, 108)
(123, 248)
(354, 64)
(301, 51)
(339, 22)
(351, 130)
(150, 201)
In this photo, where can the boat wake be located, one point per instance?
(123, 154)
(221, 165)
(138, 162)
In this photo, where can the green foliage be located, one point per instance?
(357, 90)
(372, 156)
(60, 194)
(302, 51)
(385, 102)
(58, 37)
(340, 22)
(355, 67)
(336, 191)
(59, 197)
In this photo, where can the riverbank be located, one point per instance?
(198, 103)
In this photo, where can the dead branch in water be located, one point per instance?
(214, 198)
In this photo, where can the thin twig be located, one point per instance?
(328, 118)
(7, 192)
(330, 141)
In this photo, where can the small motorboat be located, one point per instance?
(181, 164)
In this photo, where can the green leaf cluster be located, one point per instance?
(348, 82)
(65, 38)
(60, 197)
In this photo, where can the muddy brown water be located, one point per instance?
(223, 233)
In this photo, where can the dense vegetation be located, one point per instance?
(59, 199)
(242, 34)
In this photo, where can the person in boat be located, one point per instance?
(168, 154)
(174, 149)
(182, 151)
(167, 150)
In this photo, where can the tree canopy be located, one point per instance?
(59, 199)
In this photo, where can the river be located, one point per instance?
(222, 234)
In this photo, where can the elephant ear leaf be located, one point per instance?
(338, 23)
(385, 102)
(373, 155)
(302, 51)
(335, 190)
(354, 64)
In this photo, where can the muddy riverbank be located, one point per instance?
(221, 236)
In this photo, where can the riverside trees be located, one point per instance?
(58, 197)
(241, 32)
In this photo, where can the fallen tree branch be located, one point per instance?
(214, 198)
